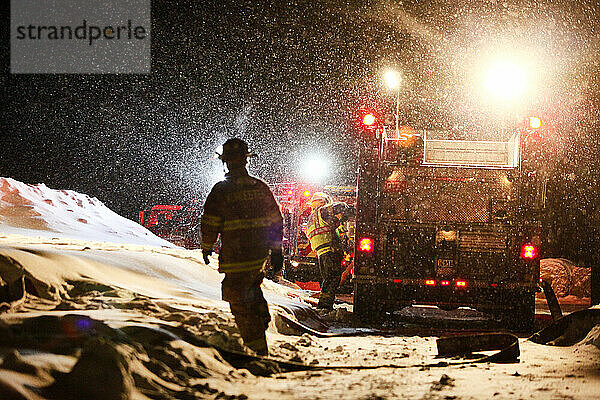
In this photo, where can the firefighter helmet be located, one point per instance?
(320, 199)
(233, 148)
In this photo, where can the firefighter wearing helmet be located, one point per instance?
(325, 218)
(242, 210)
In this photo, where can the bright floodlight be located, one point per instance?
(506, 80)
(315, 169)
(392, 79)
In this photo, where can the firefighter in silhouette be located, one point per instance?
(325, 218)
(242, 210)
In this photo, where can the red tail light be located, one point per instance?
(366, 245)
(529, 251)
(397, 280)
(445, 283)
(430, 282)
(369, 120)
(461, 284)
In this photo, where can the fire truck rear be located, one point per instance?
(446, 222)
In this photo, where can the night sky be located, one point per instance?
(288, 78)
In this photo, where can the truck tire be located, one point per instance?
(367, 308)
(521, 316)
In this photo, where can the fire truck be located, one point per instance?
(300, 260)
(448, 222)
(178, 224)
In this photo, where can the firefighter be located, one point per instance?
(324, 219)
(242, 210)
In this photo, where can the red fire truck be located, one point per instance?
(178, 224)
(447, 222)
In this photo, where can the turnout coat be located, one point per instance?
(244, 212)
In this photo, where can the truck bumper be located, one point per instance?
(396, 295)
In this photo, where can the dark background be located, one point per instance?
(288, 78)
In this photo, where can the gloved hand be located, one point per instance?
(276, 264)
(205, 254)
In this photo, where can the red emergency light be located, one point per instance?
(369, 120)
(430, 282)
(529, 252)
(366, 245)
(461, 284)
(445, 283)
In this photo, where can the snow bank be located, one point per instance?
(103, 248)
(36, 210)
(92, 291)
(593, 337)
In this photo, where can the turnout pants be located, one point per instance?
(330, 265)
(243, 293)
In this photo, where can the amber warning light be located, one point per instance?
(528, 251)
(535, 122)
(365, 245)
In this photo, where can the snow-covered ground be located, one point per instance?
(93, 306)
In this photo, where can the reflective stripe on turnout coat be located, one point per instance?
(243, 210)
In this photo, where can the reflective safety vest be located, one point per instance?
(341, 234)
(319, 233)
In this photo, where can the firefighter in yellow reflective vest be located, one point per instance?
(242, 210)
(321, 231)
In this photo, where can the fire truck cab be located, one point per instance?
(447, 222)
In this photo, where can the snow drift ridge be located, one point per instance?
(36, 210)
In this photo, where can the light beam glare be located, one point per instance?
(315, 169)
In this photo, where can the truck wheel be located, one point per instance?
(521, 317)
(367, 307)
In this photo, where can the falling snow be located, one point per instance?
(288, 78)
